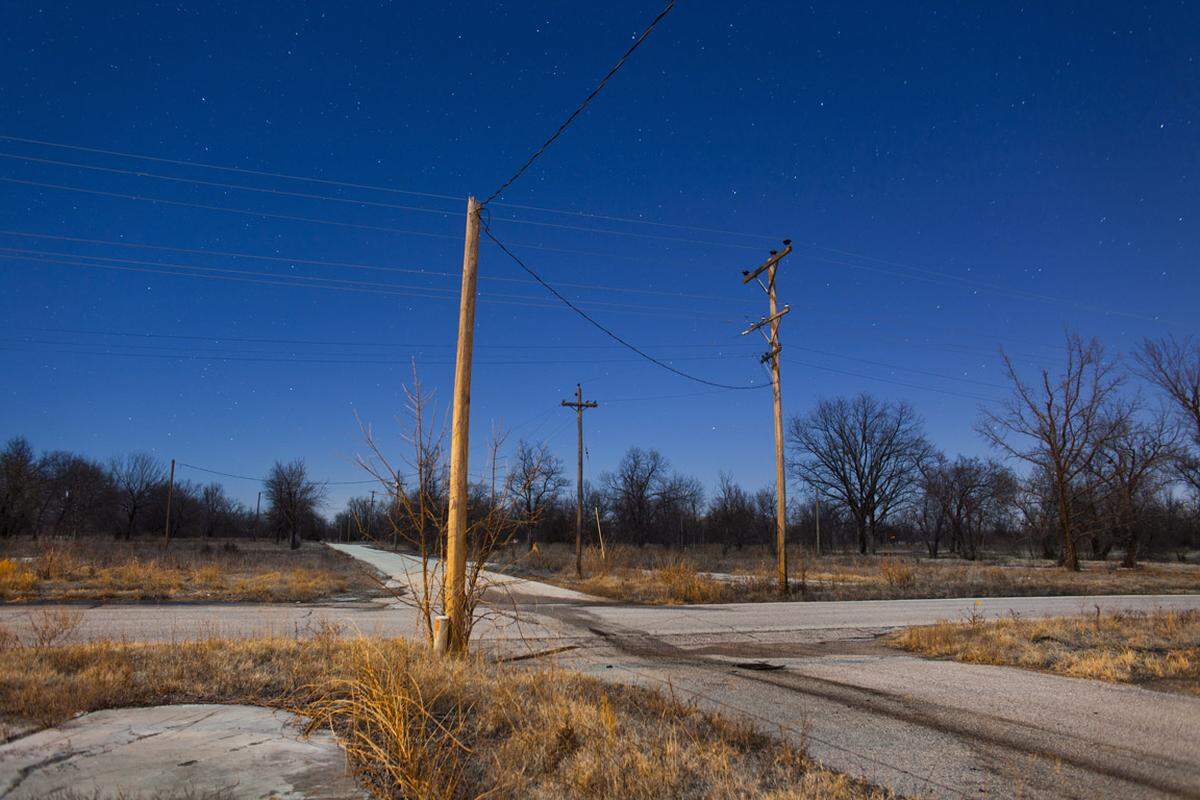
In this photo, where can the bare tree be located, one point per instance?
(1132, 466)
(216, 508)
(632, 488)
(862, 452)
(419, 513)
(136, 475)
(536, 481)
(1060, 424)
(1173, 365)
(973, 494)
(731, 514)
(20, 485)
(293, 497)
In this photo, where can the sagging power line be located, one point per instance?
(580, 108)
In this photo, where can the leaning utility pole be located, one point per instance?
(455, 578)
(170, 491)
(772, 355)
(579, 405)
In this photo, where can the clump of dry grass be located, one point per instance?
(633, 574)
(16, 579)
(674, 582)
(100, 569)
(419, 727)
(1124, 647)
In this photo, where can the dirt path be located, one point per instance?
(937, 728)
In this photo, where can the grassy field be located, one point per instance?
(419, 727)
(187, 569)
(1159, 650)
(707, 575)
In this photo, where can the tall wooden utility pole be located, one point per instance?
(772, 355)
(455, 578)
(579, 405)
(170, 491)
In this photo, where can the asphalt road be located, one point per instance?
(923, 727)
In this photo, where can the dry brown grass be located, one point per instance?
(1161, 649)
(658, 575)
(101, 569)
(417, 727)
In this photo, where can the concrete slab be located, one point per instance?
(209, 751)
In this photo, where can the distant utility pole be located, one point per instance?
(579, 405)
(772, 355)
(817, 517)
(257, 506)
(170, 491)
(455, 579)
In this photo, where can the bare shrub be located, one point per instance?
(896, 572)
(50, 625)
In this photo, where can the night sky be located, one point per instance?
(956, 180)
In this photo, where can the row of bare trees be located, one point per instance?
(1088, 466)
(1082, 463)
(1103, 462)
(65, 494)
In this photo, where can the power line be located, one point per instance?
(374, 188)
(251, 340)
(608, 332)
(433, 291)
(579, 110)
(926, 274)
(336, 284)
(225, 209)
(262, 480)
(182, 354)
(734, 347)
(222, 338)
(345, 264)
(223, 168)
(370, 203)
(295, 218)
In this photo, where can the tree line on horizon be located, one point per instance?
(1105, 470)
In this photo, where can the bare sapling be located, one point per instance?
(417, 514)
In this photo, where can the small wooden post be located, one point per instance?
(455, 582)
(600, 534)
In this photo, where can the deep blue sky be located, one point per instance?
(937, 167)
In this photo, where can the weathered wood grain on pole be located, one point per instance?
(170, 491)
(772, 320)
(455, 582)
